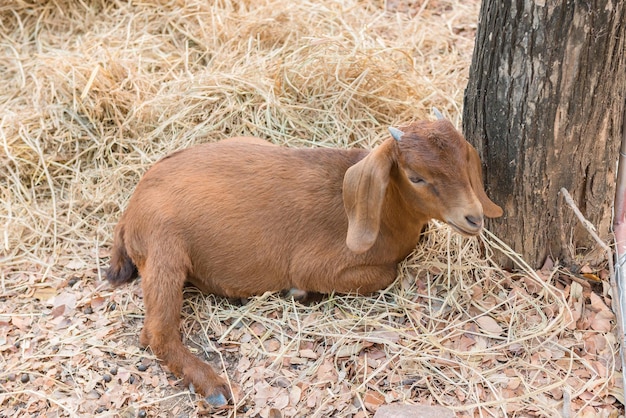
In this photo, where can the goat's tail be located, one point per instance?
(121, 269)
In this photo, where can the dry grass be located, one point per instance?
(94, 92)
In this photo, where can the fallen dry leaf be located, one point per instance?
(489, 325)
(308, 354)
(295, 394)
(326, 372)
(373, 400)
(44, 293)
(597, 304)
(349, 350)
(601, 321)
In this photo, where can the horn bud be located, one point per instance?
(437, 113)
(396, 133)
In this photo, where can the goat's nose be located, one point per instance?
(474, 221)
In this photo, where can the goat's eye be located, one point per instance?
(417, 180)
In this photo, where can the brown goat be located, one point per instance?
(240, 218)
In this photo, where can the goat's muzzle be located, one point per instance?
(471, 225)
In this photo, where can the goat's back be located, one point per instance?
(250, 218)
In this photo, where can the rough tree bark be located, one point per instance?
(544, 106)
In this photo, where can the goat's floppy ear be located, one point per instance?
(490, 209)
(364, 188)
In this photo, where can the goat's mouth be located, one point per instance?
(468, 232)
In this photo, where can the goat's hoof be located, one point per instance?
(297, 294)
(216, 399)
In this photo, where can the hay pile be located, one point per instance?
(95, 92)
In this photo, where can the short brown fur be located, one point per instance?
(239, 218)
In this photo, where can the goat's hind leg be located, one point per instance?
(162, 285)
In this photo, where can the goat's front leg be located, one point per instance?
(366, 279)
(163, 295)
(361, 279)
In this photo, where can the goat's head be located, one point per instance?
(438, 175)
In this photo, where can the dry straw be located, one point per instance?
(94, 92)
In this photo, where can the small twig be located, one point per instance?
(567, 403)
(588, 226)
(581, 280)
(609, 253)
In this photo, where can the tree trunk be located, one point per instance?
(544, 107)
